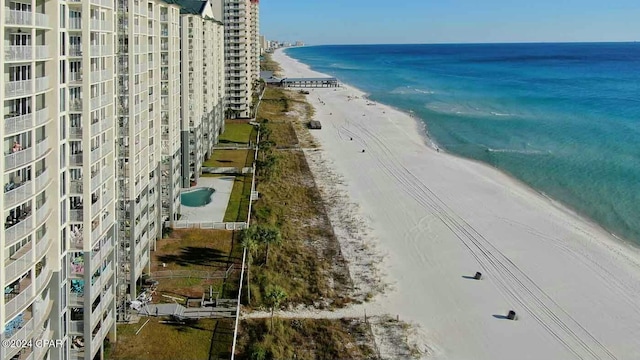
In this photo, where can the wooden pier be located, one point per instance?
(310, 82)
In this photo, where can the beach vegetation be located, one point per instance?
(268, 64)
(249, 241)
(274, 296)
(310, 268)
(305, 339)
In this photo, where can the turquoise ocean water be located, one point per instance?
(563, 118)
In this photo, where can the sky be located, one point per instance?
(319, 22)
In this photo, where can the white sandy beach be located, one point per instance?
(438, 218)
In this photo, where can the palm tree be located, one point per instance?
(248, 238)
(267, 236)
(275, 295)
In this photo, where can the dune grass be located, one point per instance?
(308, 264)
(305, 339)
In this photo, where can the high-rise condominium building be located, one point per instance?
(92, 144)
(202, 85)
(242, 66)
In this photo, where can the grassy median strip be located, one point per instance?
(238, 206)
(236, 132)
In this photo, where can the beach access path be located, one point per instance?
(438, 219)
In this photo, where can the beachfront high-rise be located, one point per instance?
(202, 99)
(92, 142)
(241, 28)
(59, 168)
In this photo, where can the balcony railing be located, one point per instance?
(76, 215)
(19, 263)
(42, 52)
(42, 116)
(42, 180)
(43, 213)
(42, 20)
(19, 302)
(42, 148)
(24, 333)
(18, 194)
(75, 50)
(76, 159)
(75, 23)
(17, 17)
(18, 53)
(18, 158)
(17, 123)
(42, 83)
(18, 88)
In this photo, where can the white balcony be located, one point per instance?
(42, 20)
(95, 155)
(76, 159)
(76, 327)
(100, 25)
(18, 88)
(95, 103)
(75, 24)
(42, 116)
(18, 194)
(42, 52)
(19, 302)
(75, 50)
(106, 100)
(76, 215)
(43, 213)
(106, 148)
(42, 148)
(95, 183)
(42, 83)
(17, 123)
(18, 53)
(19, 263)
(43, 279)
(16, 17)
(18, 158)
(42, 247)
(106, 124)
(107, 222)
(95, 128)
(42, 180)
(23, 334)
(95, 233)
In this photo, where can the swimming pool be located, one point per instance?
(196, 198)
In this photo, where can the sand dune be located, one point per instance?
(439, 218)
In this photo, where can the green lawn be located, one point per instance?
(230, 158)
(165, 341)
(236, 133)
(238, 207)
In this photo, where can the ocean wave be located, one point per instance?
(519, 151)
(407, 90)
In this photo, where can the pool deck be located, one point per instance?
(214, 211)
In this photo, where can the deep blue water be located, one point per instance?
(563, 118)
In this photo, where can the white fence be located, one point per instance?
(184, 224)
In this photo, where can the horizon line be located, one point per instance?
(479, 43)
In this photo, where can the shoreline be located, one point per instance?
(408, 193)
(422, 127)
